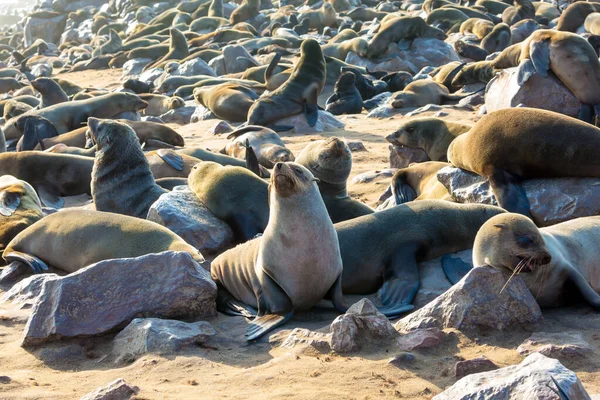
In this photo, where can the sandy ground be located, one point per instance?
(228, 368)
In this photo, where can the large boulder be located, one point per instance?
(50, 28)
(325, 123)
(183, 213)
(25, 293)
(390, 63)
(109, 294)
(237, 59)
(548, 93)
(482, 300)
(194, 67)
(537, 377)
(424, 52)
(551, 200)
(135, 67)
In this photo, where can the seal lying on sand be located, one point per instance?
(283, 271)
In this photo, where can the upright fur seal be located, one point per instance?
(51, 92)
(433, 135)
(346, 98)
(178, 49)
(546, 258)
(277, 274)
(510, 145)
(298, 94)
(121, 179)
(330, 161)
(73, 239)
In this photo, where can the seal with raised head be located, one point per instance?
(266, 143)
(19, 208)
(431, 134)
(330, 160)
(246, 10)
(298, 94)
(346, 98)
(275, 273)
(234, 194)
(178, 50)
(508, 146)
(51, 92)
(477, 72)
(121, 179)
(97, 235)
(443, 227)
(547, 259)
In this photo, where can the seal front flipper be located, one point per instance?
(509, 192)
(455, 268)
(36, 265)
(586, 290)
(9, 202)
(274, 307)
(337, 296)
(311, 111)
(266, 323)
(172, 158)
(401, 282)
(251, 159)
(229, 305)
(526, 71)
(49, 197)
(539, 53)
(402, 192)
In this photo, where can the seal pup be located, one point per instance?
(266, 143)
(382, 250)
(37, 129)
(330, 160)
(121, 179)
(346, 98)
(298, 94)
(546, 258)
(433, 135)
(422, 92)
(276, 274)
(19, 208)
(508, 146)
(234, 194)
(96, 236)
(159, 104)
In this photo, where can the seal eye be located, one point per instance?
(410, 129)
(524, 241)
(298, 171)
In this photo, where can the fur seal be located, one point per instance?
(178, 49)
(298, 94)
(234, 194)
(121, 179)
(396, 81)
(547, 259)
(346, 98)
(51, 92)
(399, 28)
(481, 71)
(36, 130)
(477, 26)
(433, 135)
(228, 101)
(592, 23)
(510, 145)
(422, 92)
(358, 45)
(276, 274)
(498, 39)
(470, 51)
(443, 227)
(19, 208)
(248, 9)
(266, 143)
(9, 84)
(167, 163)
(522, 9)
(445, 74)
(319, 19)
(103, 235)
(522, 29)
(158, 104)
(13, 109)
(330, 160)
(575, 14)
(70, 115)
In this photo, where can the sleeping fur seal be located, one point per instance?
(88, 237)
(266, 143)
(228, 101)
(422, 92)
(278, 273)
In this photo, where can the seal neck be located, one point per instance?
(333, 189)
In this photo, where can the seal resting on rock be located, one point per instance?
(281, 272)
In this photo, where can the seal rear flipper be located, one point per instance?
(243, 129)
(9, 202)
(455, 268)
(157, 143)
(586, 290)
(311, 111)
(274, 306)
(281, 128)
(526, 71)
(173, 159)
(229, 305)
(266, 323)
(337, 296)
(272, 65)
(402, 192)
(401, 282)
(36, 265)
(251, 160)
(49, 197)
(509, 192)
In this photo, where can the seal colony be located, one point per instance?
(264, 134)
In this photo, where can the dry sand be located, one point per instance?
(229, 368)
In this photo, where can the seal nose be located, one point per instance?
(278, 166)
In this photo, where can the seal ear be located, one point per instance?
(9, 202)
(500, 226)
(316, 180)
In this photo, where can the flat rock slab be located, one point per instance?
(536, 377)
(326, 122)
(478, 301)
(108, 295)
(26, 292)
(420, 339)
(556, 345)
(300, 337)
(116, 390)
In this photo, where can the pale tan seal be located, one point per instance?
(575, 14)
(159, 104)
(228, 101)
(279, 273)
(73, 239)
(421, 92)
(319, 19)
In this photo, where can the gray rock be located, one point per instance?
(237, 59)
(159, 336)
(361, 323)
(135, 67)
(129, 115)
(433, 279)
(183, 213)
(473, 366)
(116, 390)
(26, 292)
(391, 63)
(556, 345)
(218, 128)
(377, 101)
(479, 301)
(420, 339)
(180, 116)
(48, 29)
(424, 52)
(423, 73)
(13, 273)
(384, 110)
(151, 75)
(465, 186)
(202, 114)
(356, 147)
(107, 295)
(41, 70)
(547, 93)
(402, 157)
(218, 65)
(304, 337)
(194, 67)
(4, 379)
(401, 359)
(535, 378)
(326, 122)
